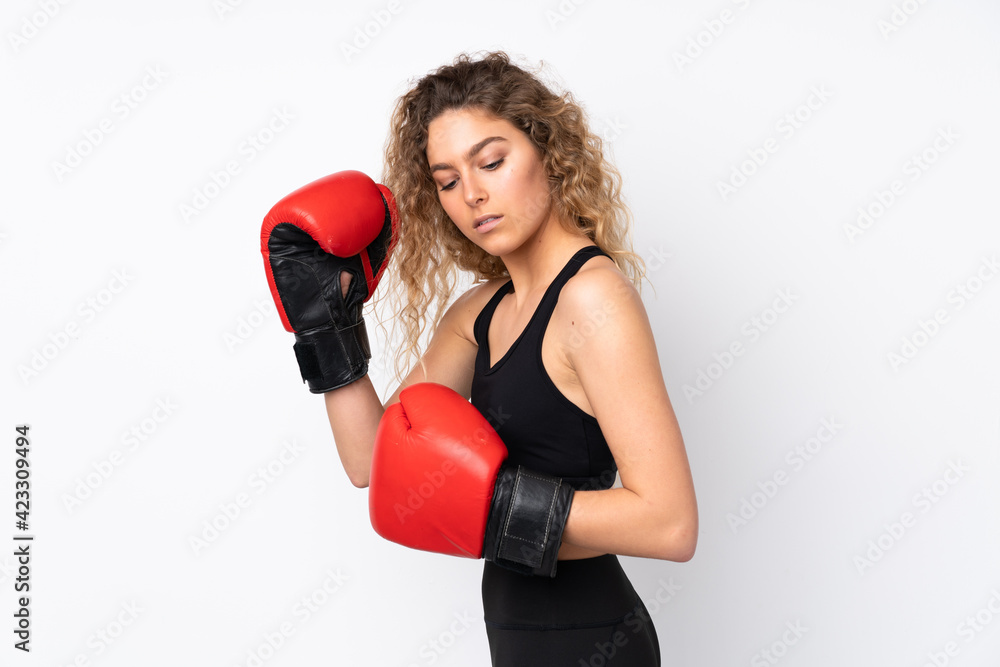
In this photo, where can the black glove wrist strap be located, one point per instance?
(526, 522)
(330, 359)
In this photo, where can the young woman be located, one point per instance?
(496, 175)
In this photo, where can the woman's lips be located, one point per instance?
(489, 224)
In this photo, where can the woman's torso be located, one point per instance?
(524, 386)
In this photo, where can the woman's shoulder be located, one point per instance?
(598, 283)
(465, 309)
(593, 293)
(477, 296)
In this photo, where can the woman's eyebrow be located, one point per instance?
(468, 156)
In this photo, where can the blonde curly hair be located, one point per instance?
(430, 249)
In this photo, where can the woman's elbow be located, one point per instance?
(359, 478)
(679, 543)
(358, 469)
(686, 543)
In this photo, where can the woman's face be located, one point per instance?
(483, 168)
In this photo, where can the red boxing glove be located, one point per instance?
(435, 461)
(342, 222)
(439, 483)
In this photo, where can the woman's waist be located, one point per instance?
(585, 592)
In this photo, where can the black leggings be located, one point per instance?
(588, 615)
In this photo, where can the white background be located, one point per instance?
(118, 301)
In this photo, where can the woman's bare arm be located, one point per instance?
(654, 514)
(355, 410)
(354, 413)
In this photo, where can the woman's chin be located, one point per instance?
(496, 246)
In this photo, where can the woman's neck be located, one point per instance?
(534, 265)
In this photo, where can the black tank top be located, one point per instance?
(543, 430)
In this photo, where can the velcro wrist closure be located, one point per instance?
(329, 359)
(532, 528)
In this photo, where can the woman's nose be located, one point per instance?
(475, 194)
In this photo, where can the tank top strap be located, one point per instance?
(482, 324)
(548, 303)
(545, 307)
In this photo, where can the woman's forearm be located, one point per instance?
(569, 551)
(354, 411)
(620, 521)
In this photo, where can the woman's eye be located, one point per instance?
(489, 167)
